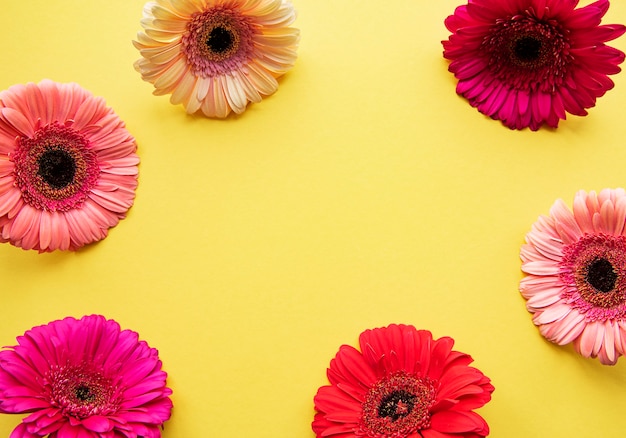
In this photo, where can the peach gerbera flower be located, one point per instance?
(68, 167)
(216, 55)
(576, 266)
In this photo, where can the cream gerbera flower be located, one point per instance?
(216, 55)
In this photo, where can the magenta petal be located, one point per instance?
(545, 58)
(97, 423)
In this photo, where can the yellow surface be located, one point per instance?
(364, 192)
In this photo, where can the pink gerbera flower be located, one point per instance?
(528, 62)
(84, 378)
(402, 384)
(68, 168)
(576, 266)
(216, 55)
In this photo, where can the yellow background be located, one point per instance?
(364, 192)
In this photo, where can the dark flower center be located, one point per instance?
(593, 271)
(83, 393)
(526, 53)
(527, 48)
(80, 391)
(57, 168)
(220, 40)
(396, 405)
(601, 275)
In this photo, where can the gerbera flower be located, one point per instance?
(576, 266)
(216, 55)
(402, 384)
(84, 378)
(528, 62)
(68, 168)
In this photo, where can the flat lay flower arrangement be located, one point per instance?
(284, 218)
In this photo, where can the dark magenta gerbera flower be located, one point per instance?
(84, 378)
(402, 384)
(529, 62)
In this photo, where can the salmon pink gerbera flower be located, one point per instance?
(528, 62)
(68, 168)
(402, 384)
(216, 55)
(576, 266)
(84, 378)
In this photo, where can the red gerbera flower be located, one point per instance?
(528, 62)
(402, 384)
(68, 167)
(84, 378)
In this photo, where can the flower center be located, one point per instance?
(526, 53)
(601, 276)
(526, 49)
(84, 394)
(593, 271)
(55, 169)
(397, 405)
(218, 41)
(80, 392)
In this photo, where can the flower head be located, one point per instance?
(528, 62)
(216, 55)
(576, 266)
(84, 378)
(402, 384)
(68, 167)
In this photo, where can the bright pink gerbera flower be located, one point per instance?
(216, 55)
(576, 266)
(84, 378)
(68, 168)
(528, 62)
(402, 384)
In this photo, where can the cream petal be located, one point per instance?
(235, 94)
(219, 98)
(202, 88)
(172, 76)
(251, 93)
(183, 89)
(262, 81)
